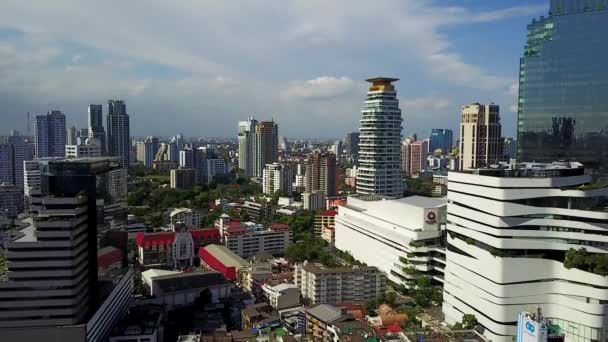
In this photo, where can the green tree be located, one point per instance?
(469, 321)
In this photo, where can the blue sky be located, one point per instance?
(198, 66)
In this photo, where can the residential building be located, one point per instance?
(520, 237)
(352, 146)
(337, 150)
(331, 285)
(61, 244)
(95, 125)
(277, 177)
(328, 233)
(313, 200)
(182, 178)
(13, 153)
(319, 319)
(249, 239)
(49, 134)
(119, 140)
(255, 315)
(380, 135)
(216, 168)
(404, 247)
(324, 219)
(246, 133)
(90, 148)
(562, 108)
(185, 216)
(441, 138)
(480, 136)
(282, 296)
(265, 146)
(322, 174)
(222, 260)
(146, 151)
(413, 156)
(257, 212)
(11, 201)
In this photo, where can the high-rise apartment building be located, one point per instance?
(11, 200)
(13, 153)
(277, 177)
(49, 134)
(146, 151)
(246, 150)
(480, 136)
(563, 87)
(526, 237)
(441, 138)
(118, 142)
(265, 146)
(379, 141)
(70, 136)
(321, 174)
(352, 146)
(90, 148)
(95, 125)
(414, 156)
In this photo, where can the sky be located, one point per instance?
(200, 66)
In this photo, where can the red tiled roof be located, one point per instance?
(236, 230)
(393, 328)
(329, 213)
(108, 256)
(279, 226)
(153, 239)
(207, 234)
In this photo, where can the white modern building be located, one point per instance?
(399, 236)
(379, 141)
(90, 148)
(245, 136)
(282, 296)
(186, 216)
(511, 234)
(277, 177)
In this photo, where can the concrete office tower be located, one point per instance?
(413, 156)
(52, 264)
(441, 138)
(11, 201)
(563, 109)
(277, 177)
(13, 153)
(321, 174)
(379, 141)
(510, 235)
(337, 149)
(246, 150)
(352, 146)
(480, 136)
(265, 146)
(49, 134)
(173, 148)
(118, 142)
(70, 136)
(146, 151)
(95, 125)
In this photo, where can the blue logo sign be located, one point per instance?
(530, 327)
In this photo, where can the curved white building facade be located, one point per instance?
(380, 141)
(508, 232)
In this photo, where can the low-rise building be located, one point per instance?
(185, 216)
(404, 247)
(319, 319)
(222, 260)
(325, 218)
(142, 324)
(109, 258)
(256, 314)
(356, 284)
(282, 296)
(257, 212)
(251, 239)
(328, 233)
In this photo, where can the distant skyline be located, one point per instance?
(199, 67)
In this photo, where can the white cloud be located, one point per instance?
(422, 104)
(323, 87)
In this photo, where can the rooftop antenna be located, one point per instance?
(28, 124)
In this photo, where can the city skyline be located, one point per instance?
(438, 74)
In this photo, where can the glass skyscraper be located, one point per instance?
(441, 138)
(563, 86)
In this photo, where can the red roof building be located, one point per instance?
(222, 260)
(108, 258)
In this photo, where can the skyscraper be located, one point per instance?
(413, 156)
(379, 141)
(70, 136)
(563, 86)
(13, 154)
(352, 146)
(441, 138)
(321, 174)
(245, 137)
(265, 146)
(95, 125)
(277, 177)
(480, 136)
(49, 134)
(118, 143)
(146, 151)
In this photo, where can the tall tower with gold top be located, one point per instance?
(379, 170)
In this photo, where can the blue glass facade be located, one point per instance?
(563, 86)
(441, 138)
